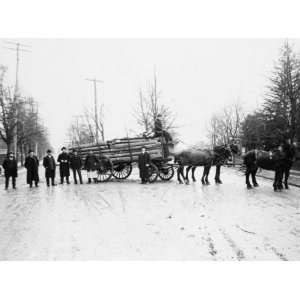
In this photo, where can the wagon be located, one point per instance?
(118, 157)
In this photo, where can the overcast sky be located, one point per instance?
(196, 78)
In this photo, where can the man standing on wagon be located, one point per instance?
(64, 165)
(143, 163)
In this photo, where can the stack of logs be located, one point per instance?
(123, 150)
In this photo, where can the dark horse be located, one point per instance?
(280, 161)
(206, 158)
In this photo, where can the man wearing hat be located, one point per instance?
(10, 170)
(32, 166)
(50, 166)
(143, 163)
(76, 165)
(64, 165)
(158, 127)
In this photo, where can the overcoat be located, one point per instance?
(91, 162)
(143, 161)
(50, 166)
(64, 164)
(32, 166)
(10, 167)
(75, 162)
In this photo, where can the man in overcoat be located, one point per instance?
(76, 165)
(91, 164)
(32, 166)
(64, 165)
(10, 170)
(50, 167)
(143, 163)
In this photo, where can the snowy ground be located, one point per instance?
(165, 221)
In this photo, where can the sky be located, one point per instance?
(196, 78)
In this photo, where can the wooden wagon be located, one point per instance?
(117, 157)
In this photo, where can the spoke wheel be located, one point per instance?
(166, 173)
(153, 172)
(104, 170)
(122, 171)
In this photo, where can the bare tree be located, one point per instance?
(226, 125)
(82, 130)
(150, 106)
(7, 112)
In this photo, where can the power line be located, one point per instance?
(95, 81)
(18, 48)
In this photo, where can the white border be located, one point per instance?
(149, 19)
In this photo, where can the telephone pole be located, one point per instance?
(18, 47)
(95, 81)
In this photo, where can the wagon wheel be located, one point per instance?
(104, 169)
(166, 173)
(122, 171)
(153, 172)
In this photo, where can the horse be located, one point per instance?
(280, 161)
(196, 157)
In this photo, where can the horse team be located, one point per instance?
(279, 160)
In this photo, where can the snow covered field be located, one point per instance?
(160, 221)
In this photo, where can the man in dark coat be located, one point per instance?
(91, 164)
(158, 127)
(164, 135)
(50, 166)
(32, 166)
(76, 165)
(64, 165)
(10, 170)
(143, 163)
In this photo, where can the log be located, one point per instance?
(124, 154)
(120, 146)
(123, 149)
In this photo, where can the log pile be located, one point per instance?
(123, 150)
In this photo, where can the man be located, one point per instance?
(76, 165)
(143, 163)
(50, 167)
(289, 151)
(164, 135)
(158, 127)
(32, 166)
(91, 164)
(64, 165)
(10, 170)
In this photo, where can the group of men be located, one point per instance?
(66, 162)
(74, 162)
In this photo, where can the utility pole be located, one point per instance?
(95, 81)
(18, 48)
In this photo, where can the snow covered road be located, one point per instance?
(162, 221)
